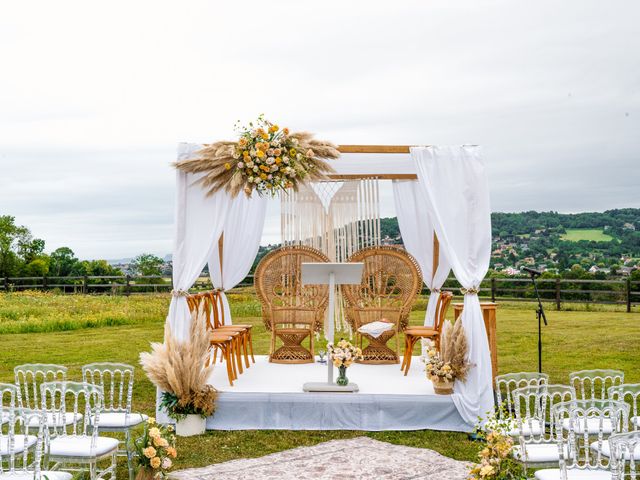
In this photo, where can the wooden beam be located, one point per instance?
(374, 148)
(220, 253)
(436, 255)
(381, 176)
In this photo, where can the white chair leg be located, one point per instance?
(93, 468)
(114, 464)
(129, 454)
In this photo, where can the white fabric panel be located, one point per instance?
(80, 446)
(199, 220)
(361, 163)
(242, 233)
(417, 235)
(454, 183)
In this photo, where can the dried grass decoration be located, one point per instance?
(265, 158)
(178, 369)
(449, 364)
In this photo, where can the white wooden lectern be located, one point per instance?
(332, 274)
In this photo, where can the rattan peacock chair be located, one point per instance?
(290, 310)
(391, 280)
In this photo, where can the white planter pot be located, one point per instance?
(192, 425)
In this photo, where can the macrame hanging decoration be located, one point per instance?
(338, 218)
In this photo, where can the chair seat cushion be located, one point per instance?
(375, 329)
(421, 332)
(80, 446)
(19, 443)
(528, 428)
(538, 453)
(573, 474)
(593, 425)
(53, 419)
(29, 475)
(119, 420)
(605, 449)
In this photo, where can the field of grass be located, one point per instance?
(74, 330)
(589, 234)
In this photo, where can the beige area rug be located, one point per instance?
(357, 458)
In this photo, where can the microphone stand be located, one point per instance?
(541, 317)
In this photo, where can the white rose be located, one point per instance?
(250, 164)
(285, 159)
(270, 160)
(255, 169)
(250, 179)
(166, 463)
(257, 180)
(299, 156)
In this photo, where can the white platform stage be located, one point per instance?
(269, 396)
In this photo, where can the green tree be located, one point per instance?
(63, 261)
(146, 264)
(14, 239)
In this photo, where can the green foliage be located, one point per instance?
(146, 264)
(588, 234)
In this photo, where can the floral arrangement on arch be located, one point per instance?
(155, 451)
(266, 159)
(495, 458)
(450, 363)
(344, 353)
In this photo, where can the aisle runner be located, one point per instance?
(357, 458)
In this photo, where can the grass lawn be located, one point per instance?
(74, 330)
(589, 234)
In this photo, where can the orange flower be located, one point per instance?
(285, 130)
(155, 462)
(172, 452)
(263, 176)
(278, 160)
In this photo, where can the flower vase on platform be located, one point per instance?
(146, 473)
(442, 386)
(342, 379)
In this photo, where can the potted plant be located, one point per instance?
(155, 451)
(178, 370)
(449, 364)
(343, 355)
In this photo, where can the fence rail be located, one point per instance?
(552, 290)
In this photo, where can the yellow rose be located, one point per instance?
(155, 462)
(278, 160)
(149, 452)
(227, 166)
(263, 176)
(292, 152)
(259, 154)
(273, 128)
(151, 420)
(265, 136)
(154, 432)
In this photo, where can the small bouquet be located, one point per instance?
(496, 461)
(155, 451)
(342, 356)
(449, 364)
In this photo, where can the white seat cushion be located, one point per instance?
(538, 453)
(80, 446)
(573, 474)
(375, 329)
(29, 476)
(527, 428)
(606, 450)
(635, 421)
(119, 420)
(593, 425)
(53, 419)
(18, 445)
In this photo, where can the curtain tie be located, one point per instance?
(179, 293)
(436, 290)
(470, 291)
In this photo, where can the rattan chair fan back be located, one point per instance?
(391, 280)
(291, 310)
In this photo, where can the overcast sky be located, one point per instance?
(94, 97)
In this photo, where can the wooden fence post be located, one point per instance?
(6, 284)
(127, 288)
(628, 295)
(493, 289)
(558, 304)
(85, 284)
(44, 282)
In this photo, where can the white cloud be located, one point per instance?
(95, 96)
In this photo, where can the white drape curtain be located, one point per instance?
(242, 232)
(417, 236)
(454, 184)
(199, 220)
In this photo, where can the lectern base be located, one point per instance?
(329, 387)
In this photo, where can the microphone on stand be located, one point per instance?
(531, 271)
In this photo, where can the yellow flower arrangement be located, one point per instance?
(155, 449)
(286, 159)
